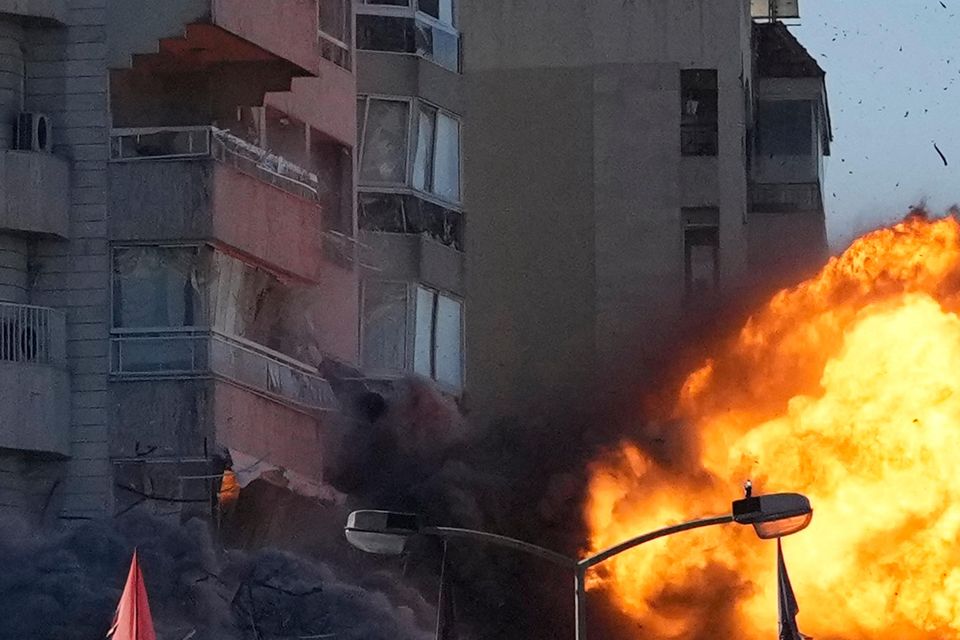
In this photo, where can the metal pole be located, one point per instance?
(580, 601)
(502, 541)
(440, 602)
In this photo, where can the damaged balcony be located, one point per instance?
(204, 183)
(35, 413)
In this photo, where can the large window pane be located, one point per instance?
(155, 287)
(384, 326)
(785, 127)
(446, 12)
(385, 142)
(334, 18)
(447, 172)
(423, 164)
(449, 341)
(423, 340)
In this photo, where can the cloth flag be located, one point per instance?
(787, 601)
(132, 620)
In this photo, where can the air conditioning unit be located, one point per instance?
(33, 132)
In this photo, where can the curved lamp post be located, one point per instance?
(386, 533)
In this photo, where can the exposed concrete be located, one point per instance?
(35, 412)
(286, 28)
(416, 258)
(34, 193)
(55, 10)
(398, 75)
(575, 260)
(327, 103)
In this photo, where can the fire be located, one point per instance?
(845, 388)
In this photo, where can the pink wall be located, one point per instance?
(287, 28)
(266, 429)
(277, 228)
(327, 103)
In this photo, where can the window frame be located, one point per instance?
(412, 290)
(346, 60)
(692, 227)
(411, 11)
(412, 141)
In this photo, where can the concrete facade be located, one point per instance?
(590, 222)
(168, 171)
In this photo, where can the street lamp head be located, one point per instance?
(381, 532)
(774, 515)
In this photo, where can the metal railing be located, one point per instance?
(184, 143)
(784, 198)
(195, 352)
(32, 334)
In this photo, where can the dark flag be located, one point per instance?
(787, 601)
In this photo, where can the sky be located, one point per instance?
(893, 81)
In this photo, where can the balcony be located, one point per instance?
(49, 10)
(188, 353)
(35, 414)
(202, 183)
(34, 193)
(210, 32)
(786, 198)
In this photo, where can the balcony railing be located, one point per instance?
(785, 198)
(32, 334)
(182, 143)
(189, 352)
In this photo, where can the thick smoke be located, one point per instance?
(65, 586)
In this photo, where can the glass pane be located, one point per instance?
(149, 355)
(333, 18)
(423, 164)
(429, 7)
(449, 344)
(385, 142)
(385, 33)
(785, 128)
(446, 12)
(446, 182)
(424, 335)
(155, 287)
(440, 46)
(384, 326)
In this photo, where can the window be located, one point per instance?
(383, 140)
(336, 22)
(698, 112)
(438, 342)
(385, 129)
(403, 213)
(156, 301)
(436, 166)
(384, 326)
(421, 27)
(155, 287)
(785, 128)
(702, 259)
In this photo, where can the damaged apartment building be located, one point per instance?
(218, 214)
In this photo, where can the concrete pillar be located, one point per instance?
(11, 79)
(13, 269)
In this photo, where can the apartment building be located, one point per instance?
(178, 255)
(630, 166)
(411, 216)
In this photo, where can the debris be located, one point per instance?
(940, 153)
(942, 4)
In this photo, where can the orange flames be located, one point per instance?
(846, 388)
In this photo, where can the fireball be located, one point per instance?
(845, 388)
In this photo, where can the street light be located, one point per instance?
(387, 532)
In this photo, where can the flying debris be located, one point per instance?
(942, 157)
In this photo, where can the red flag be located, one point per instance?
(132, 620)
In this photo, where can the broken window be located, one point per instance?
(156, 296)
(437, 162)
(383, 127)
(384, 326)
(438, 342)
(335, 22)
(701, 239)
(400, 213)
(699, 103)
(785, 128)
(425, 29)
